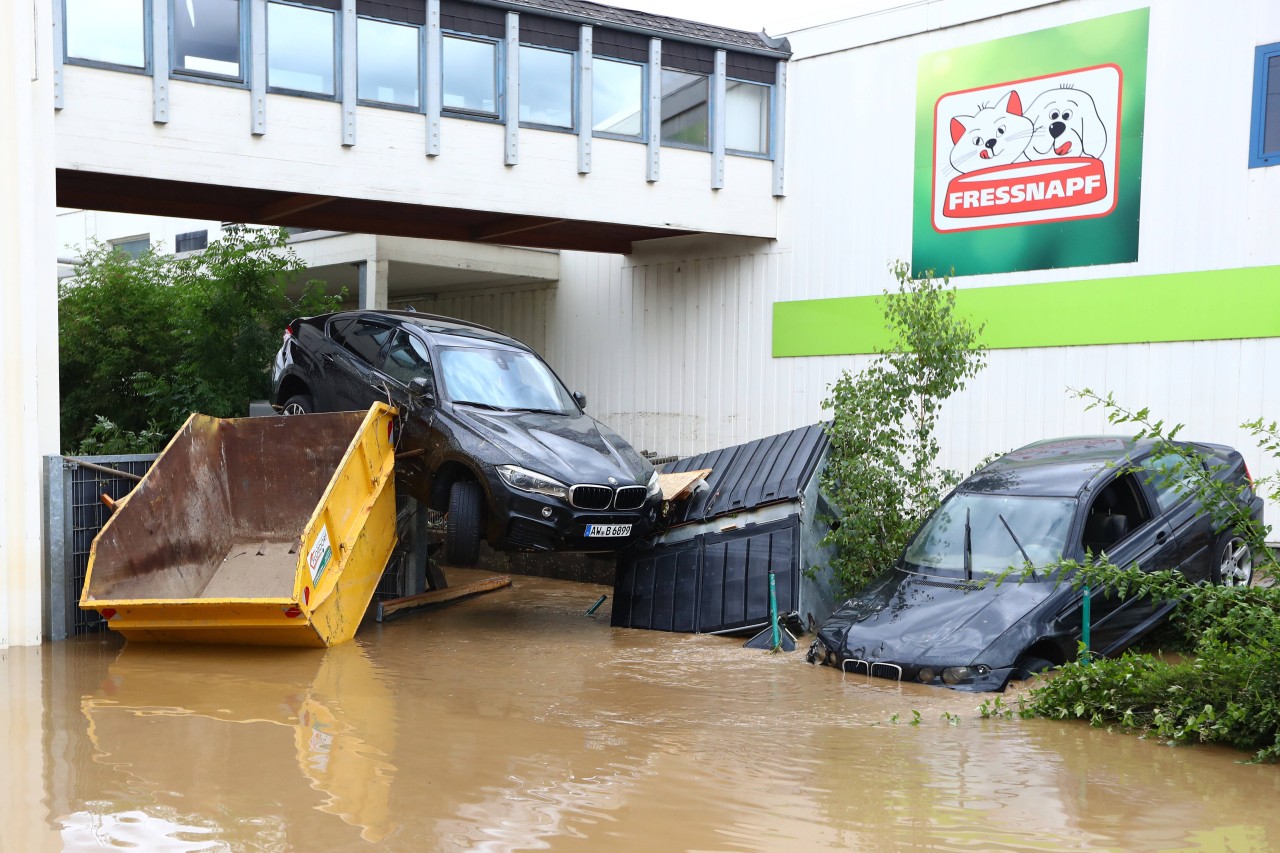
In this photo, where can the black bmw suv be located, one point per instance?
(489, 434)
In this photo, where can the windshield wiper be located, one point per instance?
(537, 411)
(968, 547)
(480, 405)
(1014, 537)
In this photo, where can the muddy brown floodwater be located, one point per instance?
(512, 722)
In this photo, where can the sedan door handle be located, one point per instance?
(1162, 535)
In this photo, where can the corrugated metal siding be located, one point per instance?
(752, 475)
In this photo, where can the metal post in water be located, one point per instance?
(773, 612)
(1086, 618)
(600, 601)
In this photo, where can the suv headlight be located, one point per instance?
(654, 488)
(531, 481)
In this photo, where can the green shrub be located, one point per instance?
(144, 342)
(881, 476)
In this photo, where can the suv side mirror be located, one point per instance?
(421, 386)
(580, 399)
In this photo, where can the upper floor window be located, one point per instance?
(206, 37)
(684, 108)
(546, 86)
(1264, 139)
(746, 117)
(617, 97)
(300, 49)
(191, 241)
(110, 31)
(387, 62)
(470, 75)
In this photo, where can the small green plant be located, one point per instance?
(108, 439)
(950, 718)
(915, 718)
(881, 477)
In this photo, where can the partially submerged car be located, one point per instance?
(938, 616)
(489, 434)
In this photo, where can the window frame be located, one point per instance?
(643, 136)
(711, 116)
(421, 106)
(767, 154)
(148, 64)
(241, 82)
(575, 82)
(499, 78)
(337, 53)
(1258, 158)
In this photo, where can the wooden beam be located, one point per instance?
(288, 206)
(387, 609)
(512, 225)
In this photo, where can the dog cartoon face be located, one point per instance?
(1067, 124)
(995, 136)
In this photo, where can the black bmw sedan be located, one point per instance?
(938, 617)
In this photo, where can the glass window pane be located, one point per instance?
(684, 108)
(106, 31)
(1271, 125)
(470, 75)
(1271, 108)
(206, 36)
(617, 97)
(746, 117)
(546, 86)
(300, 49)
(387, 61)
(134, 247)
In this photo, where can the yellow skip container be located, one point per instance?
(252, 531)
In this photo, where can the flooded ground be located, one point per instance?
(512, 722)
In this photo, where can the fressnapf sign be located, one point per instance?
(1029, 149)
(1021, 151)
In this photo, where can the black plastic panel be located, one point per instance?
(714, 582)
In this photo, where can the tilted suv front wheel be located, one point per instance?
(462, 526)
(1232, 561)
(299, 404)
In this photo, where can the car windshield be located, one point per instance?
(506, 379)
(1040, 525)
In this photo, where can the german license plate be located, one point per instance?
(598, 531)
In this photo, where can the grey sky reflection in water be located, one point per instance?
(512, 722)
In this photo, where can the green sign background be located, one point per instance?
(1119, 39)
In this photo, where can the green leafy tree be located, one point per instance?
(881, 477)
(143, 343)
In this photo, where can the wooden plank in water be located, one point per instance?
(389, 608)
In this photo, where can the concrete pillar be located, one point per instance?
(29, 323)
(373, 283)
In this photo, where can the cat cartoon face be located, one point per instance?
(1067, 125)
(995, 136)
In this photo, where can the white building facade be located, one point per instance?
(1119, 233)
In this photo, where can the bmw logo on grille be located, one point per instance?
(612, 481)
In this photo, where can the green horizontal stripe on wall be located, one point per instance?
(1192, 306)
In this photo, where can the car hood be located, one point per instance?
(913, 619)
(572, 448)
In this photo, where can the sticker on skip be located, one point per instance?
(319, 555)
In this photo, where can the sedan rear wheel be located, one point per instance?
(1233, 562)
(299, 404)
